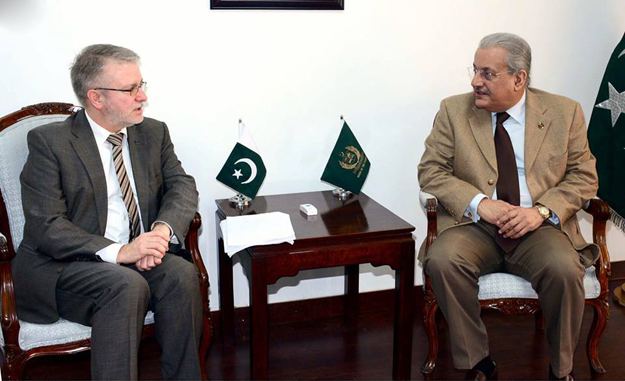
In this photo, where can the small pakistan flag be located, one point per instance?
(244, 170)
(348, 165)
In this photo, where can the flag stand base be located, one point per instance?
(342, 194)
(240, 201)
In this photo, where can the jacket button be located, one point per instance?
(491, 182)
(59, 270)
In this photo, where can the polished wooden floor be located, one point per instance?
(324, 349)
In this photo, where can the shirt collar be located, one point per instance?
(516, 112)
(100, 133)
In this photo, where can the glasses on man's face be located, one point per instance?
(486, 75)
(132, 92)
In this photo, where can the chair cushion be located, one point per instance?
(63, 331)
(13, 154)
(504, 285)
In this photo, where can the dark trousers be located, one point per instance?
(545, 257)
(113, 300)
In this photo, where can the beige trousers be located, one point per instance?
(545, 258)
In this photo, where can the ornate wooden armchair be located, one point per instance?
(20, 340)
(513, 295)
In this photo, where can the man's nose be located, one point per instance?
(477, 80)
(141, 96)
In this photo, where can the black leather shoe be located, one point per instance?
(568, 377)
(478, 375)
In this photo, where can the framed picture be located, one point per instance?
(278, 4)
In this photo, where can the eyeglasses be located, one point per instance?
(485, 74)
(132, 92)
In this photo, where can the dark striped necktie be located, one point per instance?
(508, 180)
(124, 183)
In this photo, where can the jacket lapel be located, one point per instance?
(84, 144)
(137, 142)
(482, 128)
(536, 126)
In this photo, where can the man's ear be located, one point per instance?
(520, 79)
(94, 97)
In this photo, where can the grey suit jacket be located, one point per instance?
(65, 202)
(459, 161)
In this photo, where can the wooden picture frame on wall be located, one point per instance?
(278, 4)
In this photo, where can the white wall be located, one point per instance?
(385, 65)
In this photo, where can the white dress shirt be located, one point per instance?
(117, 220)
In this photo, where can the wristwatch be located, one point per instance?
(543, 211)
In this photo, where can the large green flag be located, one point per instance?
(606, 135)
(348, 165)
(244, 170)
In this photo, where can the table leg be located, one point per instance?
(351, 295)
(226, 297)
(259, 339)
(404, 313)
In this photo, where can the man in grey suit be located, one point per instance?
(106, 202)
(510, 166)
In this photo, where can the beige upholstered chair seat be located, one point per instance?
(62, 332)
(504, 286)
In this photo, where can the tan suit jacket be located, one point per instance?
(459, 161)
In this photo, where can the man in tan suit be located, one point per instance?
(510, 166)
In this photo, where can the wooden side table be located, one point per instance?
(346, 234)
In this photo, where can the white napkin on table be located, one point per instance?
(242, 232)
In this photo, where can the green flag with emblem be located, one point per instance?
(606, 135)
(348, 165)
(244, 170)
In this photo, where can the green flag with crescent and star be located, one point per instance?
(348, 165)
(244, 170)
(606, 135)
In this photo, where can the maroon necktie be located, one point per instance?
(508, 181)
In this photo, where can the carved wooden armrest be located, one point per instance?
(191, 244)
(601, 213)
(430, 204)
(10, 323)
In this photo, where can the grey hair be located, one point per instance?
(519, 51)
(86, 71)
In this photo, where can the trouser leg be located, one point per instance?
(113, 300)
(548, 260)
(454, 263)
(176, 300)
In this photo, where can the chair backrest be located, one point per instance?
(13, 153)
